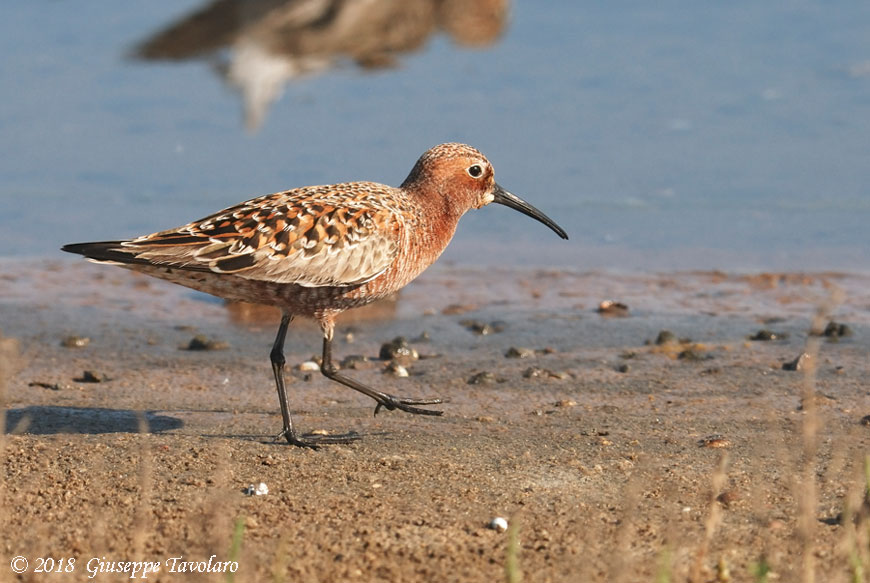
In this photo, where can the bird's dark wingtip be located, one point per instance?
(78, 248)
(100, 250)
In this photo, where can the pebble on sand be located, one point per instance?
(91, 376)
(398, 350)
(799, 363)
(714, 442)
(356, 362)
(519, 352)
(260, 489)
(612, 308)
(482, 328)
(75, 341)
(765, 335)
(203, 342)
(665, 337)
(396, 369)
(483, 378)
(835, 331)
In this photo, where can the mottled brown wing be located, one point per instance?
(309, 237)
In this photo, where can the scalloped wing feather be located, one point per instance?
(313, 237)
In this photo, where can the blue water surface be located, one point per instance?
(670, 135)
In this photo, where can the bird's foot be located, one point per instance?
(391, 402)
(314, 441)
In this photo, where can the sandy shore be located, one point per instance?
(613, 458)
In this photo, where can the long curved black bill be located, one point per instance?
(502, 196)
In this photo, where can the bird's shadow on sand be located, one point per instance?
(86, 420)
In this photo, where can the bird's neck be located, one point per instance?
(437, 217)
(442, 214)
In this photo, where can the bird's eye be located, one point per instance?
(475, 171)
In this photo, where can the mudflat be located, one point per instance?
(673, 439)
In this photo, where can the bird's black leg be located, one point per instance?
(288, 432)
(277, 358)
(384, 400)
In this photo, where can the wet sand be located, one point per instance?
(613, 458)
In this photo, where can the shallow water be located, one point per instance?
(730, 136)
